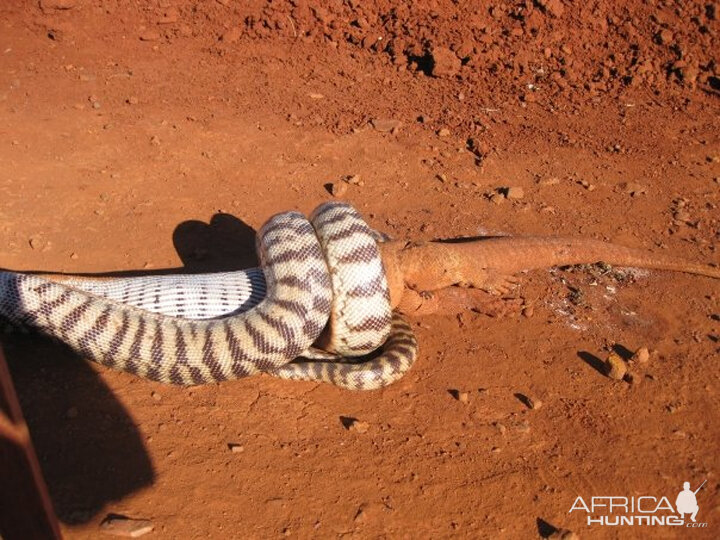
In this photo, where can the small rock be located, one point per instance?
(633, 189)
(515, 193)
(385, 125)
(444, 132)
(35, 242)
(632, 378)
(74, 256)
(641, 356)
(355, 180)
(316, 96)
(615, 366)
(528, 311)
(231, 35)
(463, 397)
(338, 189)
(442, 177)
(47, 5)
(501, 428)
(149, 35)
(132, 100)
(550, 181)
(236, 448)
(359, 426)
(155, 140)
(445, 63)
(563, 534)
(533, 403)
(497, 198)
(155, 396)
(127, 527)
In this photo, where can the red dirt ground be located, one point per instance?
(159, 134)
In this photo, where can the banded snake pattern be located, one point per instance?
(196, 329)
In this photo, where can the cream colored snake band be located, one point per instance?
(321, 301)
(197, 329)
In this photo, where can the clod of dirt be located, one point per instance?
(533, 402)
(549, 181)
(445, 63)
(149, 35)
(232, 35)
(359, 427)
(338, 189)
(553, 7)
(563, 534)
(462, 397)
(127, 527)
(515, 193)
(351, 423)
(385, 125)
(48, 5)
(615, 367)
(641, 356)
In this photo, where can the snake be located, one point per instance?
(204, 328)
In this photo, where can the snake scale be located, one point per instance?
(198, 329)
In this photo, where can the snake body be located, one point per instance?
(214, 327)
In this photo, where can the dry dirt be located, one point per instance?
(159, 134)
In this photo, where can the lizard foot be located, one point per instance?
(455, 300)
(497, 284)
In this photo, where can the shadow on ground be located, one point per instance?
(90, 450)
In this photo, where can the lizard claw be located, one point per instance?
(500, 284)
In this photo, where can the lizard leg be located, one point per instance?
(455, 300)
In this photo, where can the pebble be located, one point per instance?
(385, 125)
(641, 356)
(355, 180)
(74, 256)
(563, 534)
(47, 5)
(338, 189)
(463, 397)
(633, 189)
(445, 62)
(615, 366)
(132, 100)
(550, 181)
(155, 396)
(359, 426)
(444, 132)
(232, 35)
(533, 403)
(497, 198)
(35, 242)
(236, 448)
(127, 527)
(149, 35)
(515, 193)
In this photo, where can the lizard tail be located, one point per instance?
(515, 254)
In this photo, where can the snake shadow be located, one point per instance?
(90, 450)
